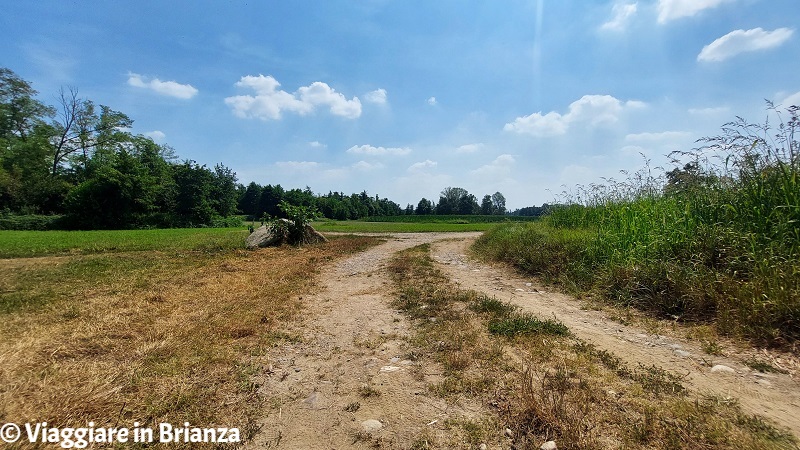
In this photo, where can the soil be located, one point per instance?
(345, 364)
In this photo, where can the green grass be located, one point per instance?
(356, 226)
(449, 218)
(20, 244)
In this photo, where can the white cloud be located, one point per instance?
(500, 167)
(675, 9)
(377, 96)
(422, 166)
(169, 88)
(269, 101)
(432, 101)
(366, 166)
(740, 41)
(317, 144)
(622, 13)
(377, 151)
(470, 148)
(297, 166)
(593, 109)
(156, 135)
(792, 100)
(655, 137)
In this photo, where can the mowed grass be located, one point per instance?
(169, 335)
(16, 244)
(355, 226)
(546, 384)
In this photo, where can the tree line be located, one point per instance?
(79, 161)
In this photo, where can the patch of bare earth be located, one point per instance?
(344, 377)
(775, 396)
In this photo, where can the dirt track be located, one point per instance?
(345, 362)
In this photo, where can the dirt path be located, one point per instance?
(775, 396)
(342, 377)
(347, 369)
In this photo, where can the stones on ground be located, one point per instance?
(683, 353)
(549, 445)
(371, 426)
(264, 237)
(482, 447)
(720, 368)
(389, 369)
(508, 433)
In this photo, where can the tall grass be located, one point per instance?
(717, 239)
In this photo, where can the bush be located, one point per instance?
(30, 222)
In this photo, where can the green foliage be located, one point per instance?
(293, 228)
(704, 242)
(516, 324)
(29, 222)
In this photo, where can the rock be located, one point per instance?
(722, 368)
(263, 237)
(389, 369)
(549, 445)
(508, 432)
(682, 353)
(482, 447)
(371, 426)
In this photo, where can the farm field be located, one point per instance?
(358, 226)
(20, 244)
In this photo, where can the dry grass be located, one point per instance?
(547, 385)
(148, 336)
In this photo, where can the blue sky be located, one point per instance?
(404, 98)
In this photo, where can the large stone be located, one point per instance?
(264, 237)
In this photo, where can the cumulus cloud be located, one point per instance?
(740, 41)
(377, 96)
(675, 9)
(792, 100)
(592, 109)
(269, 102)
(432, 101)
(168, 88)
(378, 151)
(317, 144)
(622, 13)
(366, 166)
(470, 148)
(501, 166)
(422, 166)
(156, 135)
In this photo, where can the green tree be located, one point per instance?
(498, 204)
(424, 207)
(486, 205)
(250, 200)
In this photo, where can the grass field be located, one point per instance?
(172, 331)
(16, 244)
(450, 218)
(356, 226)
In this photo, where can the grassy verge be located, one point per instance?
(355, 226)
(545, 384)
(17, 244)
(706, 242)
(148, 336)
